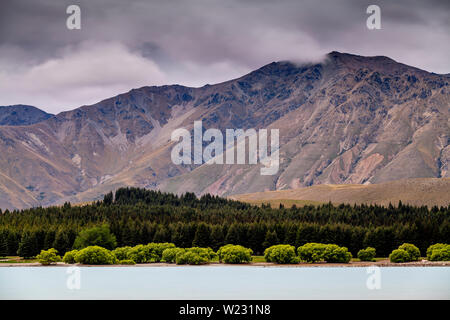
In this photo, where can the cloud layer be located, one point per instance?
(129, 44)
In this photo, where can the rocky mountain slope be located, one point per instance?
(21, 115)
(347, 120)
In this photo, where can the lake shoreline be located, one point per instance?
(356, 264)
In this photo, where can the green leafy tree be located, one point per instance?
(195, 256)
(95, 255)
(69, 257)
(122, 253)
(335, 254)
(170, 255)
(367, 254)
(149, 253)
(399, 255)
(140, 254)
(413, 251)
(438, 252)
(47, 257)
(282, 253)
(96, 236)
(235, 254)
(312, 252)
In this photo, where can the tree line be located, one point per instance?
(139, 216)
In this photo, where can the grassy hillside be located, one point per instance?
(427, 191)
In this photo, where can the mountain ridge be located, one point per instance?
(348, 119)
(19, 115)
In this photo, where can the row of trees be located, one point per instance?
(137, 216)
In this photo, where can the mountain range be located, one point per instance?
(346, 120)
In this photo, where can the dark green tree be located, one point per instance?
(49, 239)
(96, 236)
(202, 236)
(28, 246)
(61, 243)
(161, 235)
(3, 244)
(233, 236)
(217, 237)
(271, 239)
(108, 198)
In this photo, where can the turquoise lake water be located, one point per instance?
(223, 282)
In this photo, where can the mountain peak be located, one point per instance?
(18, 115)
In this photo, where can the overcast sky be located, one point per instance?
(132, 43)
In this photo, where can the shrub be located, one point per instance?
(413, 251)
(367, 254)
(139, 254)
(195, 255)
(49, 256)
(127, 261)
(282, 253)
(312, 252)
(189, 257)
(439, 252)
(437, 246)
(170, 255)
(335, 254)
(121, 253)
(149, 253)
(69, 257)
(235, 254)
(96, 236)
(95, 255)
(158, 249)
(399, 255)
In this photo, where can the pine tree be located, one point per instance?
(291, 235)
(3, 244)
(28, 245)
(61, 243)
(232, 236)
(202, 236)
(217, 237)
(271, 239)
(49, 239)
(108, 198)
(13, 240)
(161, 235)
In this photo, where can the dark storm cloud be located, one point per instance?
(126, 44)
